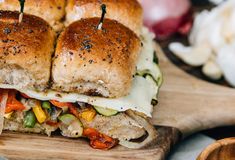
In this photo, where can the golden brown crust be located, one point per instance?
(91, 61)
(25, 50)
(127, 12)
(50, 10)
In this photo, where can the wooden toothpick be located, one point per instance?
(103, 8)
(21, 10)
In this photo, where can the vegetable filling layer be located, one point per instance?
(72, 119)
(104, 127)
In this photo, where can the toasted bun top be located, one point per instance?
(25, 50)
(50, 10)
(101, 58)
(127, 12)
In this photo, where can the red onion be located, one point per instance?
(166, 17)
(3, 102)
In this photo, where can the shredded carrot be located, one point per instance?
(99, 140)
(12, 103)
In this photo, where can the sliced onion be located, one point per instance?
(166, 17)
(152, 133)
(2, 108)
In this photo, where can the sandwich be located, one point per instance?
(100, 82)
(52, 11)
(128, 13)
(26, 50)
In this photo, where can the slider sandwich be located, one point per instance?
(127, 12)
(101, 83)
(52, 11)
(26, 50)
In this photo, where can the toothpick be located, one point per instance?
(21, 10)
(21, 17)
(103, 8)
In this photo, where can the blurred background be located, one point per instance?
(172, 21)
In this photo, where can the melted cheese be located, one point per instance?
(146, 57)
(139, 99)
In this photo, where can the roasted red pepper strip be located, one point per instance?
(99, 140)
(72, 108)
(12, 103)
(52, 123)
(60, 104)
(24, 95)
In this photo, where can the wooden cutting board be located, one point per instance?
(186, 104)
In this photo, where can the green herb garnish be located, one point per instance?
(155, 58)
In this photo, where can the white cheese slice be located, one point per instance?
(146, 57)
(139, 99)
